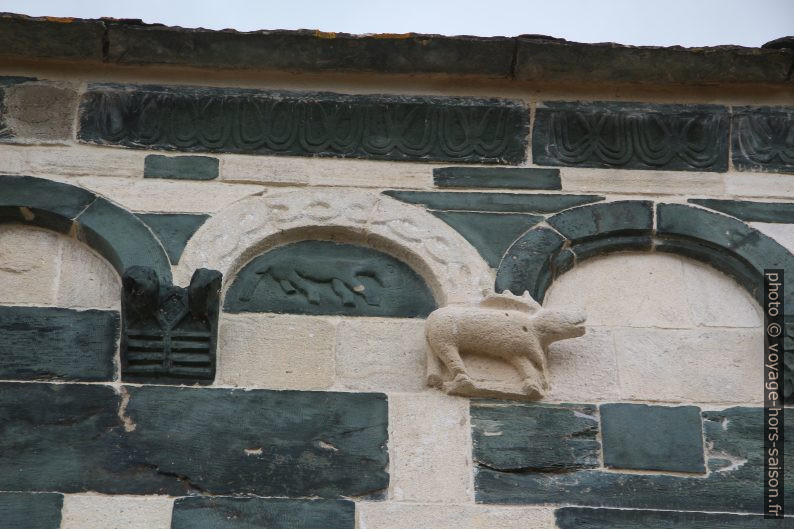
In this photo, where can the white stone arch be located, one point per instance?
(452, 268)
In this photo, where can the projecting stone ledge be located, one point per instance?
(522, 58)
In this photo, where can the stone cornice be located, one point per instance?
(522, 58)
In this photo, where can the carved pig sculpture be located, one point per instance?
(512, 328)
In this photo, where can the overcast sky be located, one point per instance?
(639, 22)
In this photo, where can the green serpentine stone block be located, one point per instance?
(323, 277)
(497, 202)
(501, 177)
(583, 518)
(181, 167)
(54, 343)
(732, 436)
(180, 441)
(631, 136)
(174, 230)
(530, 264)
(534, 438)
(196, 119)
(490, 233)
(625, 217)
(642, 437)
(763, 139)
(19, 510)
(262, 513)
(747, 211)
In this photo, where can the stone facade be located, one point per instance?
(215, 278)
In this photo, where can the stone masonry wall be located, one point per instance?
(651, 210)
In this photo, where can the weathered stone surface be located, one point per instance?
(262, 513)
(379, 355)
(491, 233)
(582, 518)
(715, 300)
(309, 50)
(19, 510)
(747, 211)
(305, 124)
(94, 511)
(164, 440)
(170, 333)
(528, 264)
(609, 219)
(645, 182)
(734, 436)
(53, 343)
(28, 264)
(746, 184)
(324, 277)
(115, 233)
(276, 351)
(631, 136)
(160, 195)
(500, 202)
(50, 37)
(547, 59)
(589, 358)
(534, 438)
(505, 178)
(173, 230)
(85, 279)
(430, 448)
(40, 112)
(181, 167)
(401, 515)
(763, 139)
(70, 160)
(651, 285)
(642, 437)
(690, 365)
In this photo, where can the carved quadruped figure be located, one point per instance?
(515, 329)
(303, 275)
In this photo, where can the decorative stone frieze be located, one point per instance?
(763, 139)
(195, 119)
(510, 328)
(631, 136)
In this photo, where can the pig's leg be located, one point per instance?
(533, 379)
(449, 354)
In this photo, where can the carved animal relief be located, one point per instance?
(513, 329)
(324, 277)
